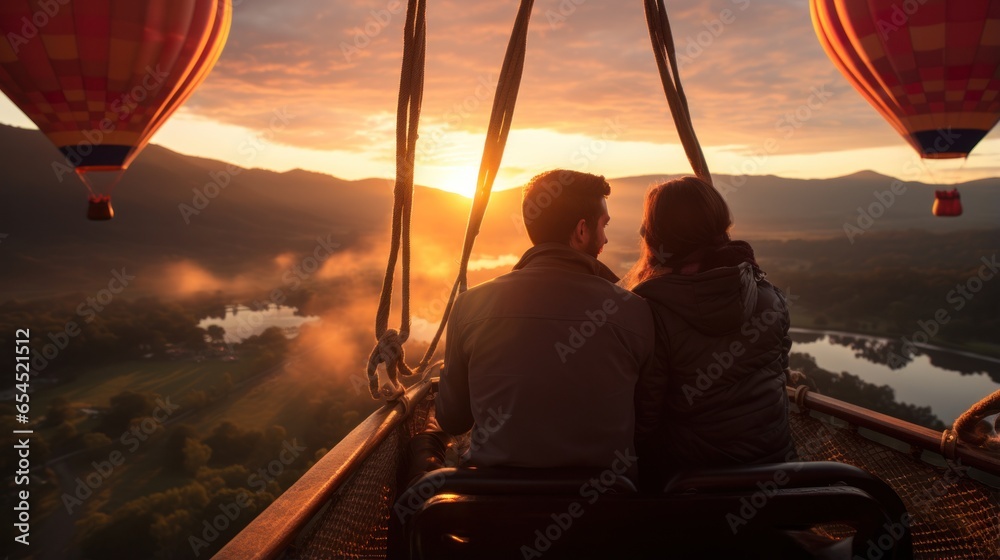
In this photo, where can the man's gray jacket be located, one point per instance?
(542, 364)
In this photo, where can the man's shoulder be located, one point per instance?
(518, 280)
(486, 288)
(587, 289)
(474, 296)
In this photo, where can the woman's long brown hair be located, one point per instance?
(680, 216)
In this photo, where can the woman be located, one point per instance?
(717, 395)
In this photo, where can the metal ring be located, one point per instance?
(949, 444)
(800, 396)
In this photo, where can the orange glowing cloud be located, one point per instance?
(747, 65)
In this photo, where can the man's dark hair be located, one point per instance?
(555, 201)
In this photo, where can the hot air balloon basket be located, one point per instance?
(954, 514)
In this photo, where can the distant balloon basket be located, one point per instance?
(947, 203)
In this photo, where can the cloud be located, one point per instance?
(336, 66)
(493, 263)
(185, 277)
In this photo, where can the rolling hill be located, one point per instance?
(246, 218)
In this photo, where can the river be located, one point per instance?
(948, 381)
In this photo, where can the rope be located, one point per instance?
(496, 140)
(666, 62)
(965, 426)
(389, 349)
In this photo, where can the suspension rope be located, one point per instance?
(389, 349)
(666, 62)
(496, 140)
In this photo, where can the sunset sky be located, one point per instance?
(590, 97)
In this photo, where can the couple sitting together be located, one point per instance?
(679, 365)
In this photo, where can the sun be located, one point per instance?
(462, 179)
(456, 179)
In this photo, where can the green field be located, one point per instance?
(94, 387)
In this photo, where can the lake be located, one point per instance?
(241, 322)
(948, 381)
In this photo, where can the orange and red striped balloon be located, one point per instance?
(930, 67)
(99, 77)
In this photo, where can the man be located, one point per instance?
(542, 362)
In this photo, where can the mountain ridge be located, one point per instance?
(226, 219)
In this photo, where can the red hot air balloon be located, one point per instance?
(99, 77)
(947, 203)
(931, 68)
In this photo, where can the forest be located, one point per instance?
(252, 416)
(942, 289)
